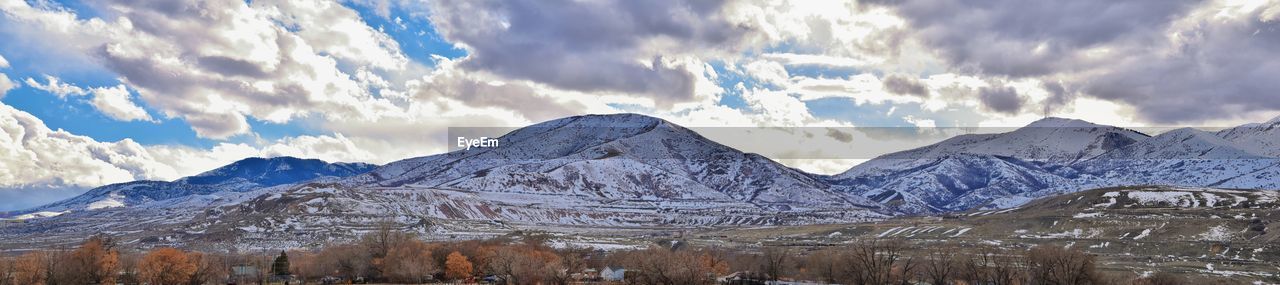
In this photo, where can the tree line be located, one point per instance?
(389, 255)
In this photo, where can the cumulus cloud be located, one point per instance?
(1164, 58)
(38, 156)
(905, 85)
(1222, 52)
(1004, 99)
(216, 63)
(639, 47)
(451, 81)
(55, 86)
(768, 72)
(1028, 38)
(45, 165)
(6, 84)
(1058, 96)
(114, 102)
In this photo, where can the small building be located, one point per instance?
(612, 273)
(244, 271)
(244, 274)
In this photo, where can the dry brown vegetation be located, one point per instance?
(387, 255)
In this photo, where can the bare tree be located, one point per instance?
(775, 262)
(988, 266)
(349, 261)
(940, 268)
(878, 262)
(662, 266)
(825, 265)
(1053, 265)
(410, 261)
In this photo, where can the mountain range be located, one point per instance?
(630, 170)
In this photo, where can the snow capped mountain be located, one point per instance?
(1054, 156)
(276, 171)
(244, 175)
(1260, 138)
(953, 182)
(614, 157)
(1182, 157)
(1047, 142)
(969, 170)
(636, 171)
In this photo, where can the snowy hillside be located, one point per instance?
(1260, 138)
(641, 172)
(968, 171)
(1047, 142)
(615, 157)
(1054, 156)
(1184, 157)
(244, 175)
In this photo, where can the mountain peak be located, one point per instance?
(1057, 122)
(605, 120)
(276, 170)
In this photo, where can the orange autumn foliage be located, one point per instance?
(166, 266)
(457, 266)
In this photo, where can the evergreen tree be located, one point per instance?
(281, 265)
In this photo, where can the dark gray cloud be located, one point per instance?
(1220, 71)
(1028, 38)
(591, 45)
(514, 96)
(1177, 61)
(905, 85)
(1004, 99)
(839, 135)
(1058, 96)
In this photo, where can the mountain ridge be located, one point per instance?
(632, 170)
(239, 176)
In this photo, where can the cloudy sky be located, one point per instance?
(118, 90)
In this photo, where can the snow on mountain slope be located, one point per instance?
(642, 172)
(955, 182)
(239, 176)
(1048, 142)
(1184, 157)
(609, 170)
(1260, 138)
(615, 157)
(970, 170)
(1055, 156)
(276, 171)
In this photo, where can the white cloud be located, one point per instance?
(115, 102)
(215, 63)
(6, 84)
(767, 71)
(56, 87)
(4, 63)
(38, 158)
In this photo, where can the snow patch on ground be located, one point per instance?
(1172, 198)
(36, 215)
(112, 201)
(1216, 233)
(1144, 233)
(1087, 215)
